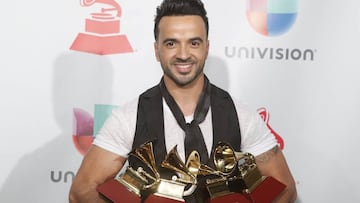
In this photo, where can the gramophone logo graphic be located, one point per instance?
(102, 31)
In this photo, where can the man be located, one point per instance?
(183, 107)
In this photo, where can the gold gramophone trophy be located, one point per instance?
(173, 190)
(129, 186)
(247, 185)
(217, 182)
(140, 186)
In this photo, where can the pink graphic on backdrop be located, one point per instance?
(102, 31)
(266, 117)
(83, 128)
(86, 126)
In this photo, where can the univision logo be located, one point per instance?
(86, 126)
(271, 17)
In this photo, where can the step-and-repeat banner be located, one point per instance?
(66, 64)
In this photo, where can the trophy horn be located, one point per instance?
(146, 155)
(173, 162)
(225, 158)
(196, 168)
(193, 163)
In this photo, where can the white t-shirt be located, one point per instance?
(118, 131)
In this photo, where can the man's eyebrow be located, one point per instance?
(199, 39)
(169, 40)
(190, 40)
(196, 39)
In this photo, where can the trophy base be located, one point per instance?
(230, 198)
(266, 191)
(158, 199)
(101, 45)
(117, 193)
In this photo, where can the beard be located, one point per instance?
(183, 79)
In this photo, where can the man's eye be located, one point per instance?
(170, 44)
(195, 43)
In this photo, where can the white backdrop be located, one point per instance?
(314, 103)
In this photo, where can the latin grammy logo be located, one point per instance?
(102, 31)
(264, 113)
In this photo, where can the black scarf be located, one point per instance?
(194, 139)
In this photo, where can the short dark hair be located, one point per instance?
(180, 8)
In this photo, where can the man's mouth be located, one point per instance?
(184, 68)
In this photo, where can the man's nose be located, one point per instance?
(183, 52)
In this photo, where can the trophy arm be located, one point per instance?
(147, 175)
(191, 190)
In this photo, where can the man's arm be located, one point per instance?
(97, 166)
(273, 163)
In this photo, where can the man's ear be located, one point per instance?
(156, 51)
(207, 48)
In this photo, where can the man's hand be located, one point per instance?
(97, 166)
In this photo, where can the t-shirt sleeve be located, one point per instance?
(117, 133)
(256, 137)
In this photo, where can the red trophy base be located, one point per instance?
(230, 198)
(158, 199)
(101, 45)
(117, 193)
(266, 192)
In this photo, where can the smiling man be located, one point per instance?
(183, 110)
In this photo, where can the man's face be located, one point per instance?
(182, 48)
